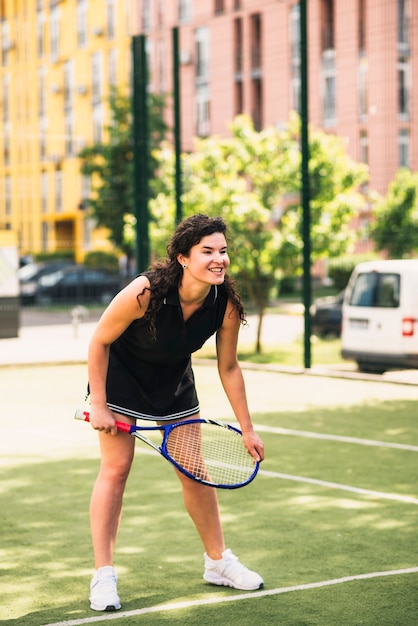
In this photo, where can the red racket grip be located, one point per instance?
(85, 417)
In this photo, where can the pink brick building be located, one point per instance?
(242, 56)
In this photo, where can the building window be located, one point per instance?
(202, 82)
(202, 111)
(6, 143)
(58, 191)
(40, 34)
(6, 95)
(68, 85)
(185, 11)
(88, 227)
(97, 123)
(160, 13)
(69, 134)
(403, 26)
(112, 67)
(364, 148)
(255, 42)
(239, 97)
(202, 54)
(362, 89)
(55, 34)
(295, 83)
(42, 137)
(257, 103)
(237, 5)
(96, 76)
(82, 23)
(111, 19)
(219, 7)
(146, 16)
(42, 92)
(361, 26)
(327, 24)
(44, 192)
(5, 42)
(44, 235)
(328, 89)
(161, 65)
(403, 89)
(8, 195)
(403, 140)
(238, 46)
(85, 187)
(127, 17)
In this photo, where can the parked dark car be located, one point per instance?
(77, 284)
(326, 316)
(30, 274)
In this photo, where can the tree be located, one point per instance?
(110, 165)
(252, 180)
(395, 229)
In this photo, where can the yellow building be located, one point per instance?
(59, 60)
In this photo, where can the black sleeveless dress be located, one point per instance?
(153, 379)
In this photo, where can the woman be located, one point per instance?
(139, 366)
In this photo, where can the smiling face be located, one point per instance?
(208, 260)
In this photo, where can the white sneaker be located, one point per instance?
(103, 590)
(229, 572)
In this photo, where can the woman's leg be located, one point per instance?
(222, 567)
(117, 452)
(201, 503)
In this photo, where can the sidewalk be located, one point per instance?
(40, 345)
(61, 344)
(68, 342)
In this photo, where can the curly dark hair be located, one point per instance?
(167, 274)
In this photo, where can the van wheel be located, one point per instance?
(366, 368)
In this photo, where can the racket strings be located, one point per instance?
(211, 453)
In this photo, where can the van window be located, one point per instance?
(376, 290)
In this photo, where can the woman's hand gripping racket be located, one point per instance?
(204, 450)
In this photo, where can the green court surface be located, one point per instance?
(331, 522)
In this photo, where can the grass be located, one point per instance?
(323, 352)
(294, 533)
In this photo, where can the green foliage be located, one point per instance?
(110, 165)
(395, 229)
(252, 180)
(100, 259)
(58, 255)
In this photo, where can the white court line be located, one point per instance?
(331, 485)
(311, 435)
(242, 596)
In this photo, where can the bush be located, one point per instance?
(58, 255)
(288, 285)
(100, 259)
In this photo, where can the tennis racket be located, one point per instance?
(206, 451)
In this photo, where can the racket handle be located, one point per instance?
(80, 414)
(84, 416)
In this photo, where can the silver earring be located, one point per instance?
(184, 266)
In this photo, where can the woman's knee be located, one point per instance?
(115, 472)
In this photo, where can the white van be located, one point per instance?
(380, 316)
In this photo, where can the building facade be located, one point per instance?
(243, 56)
(236, 56)
(59, 61)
